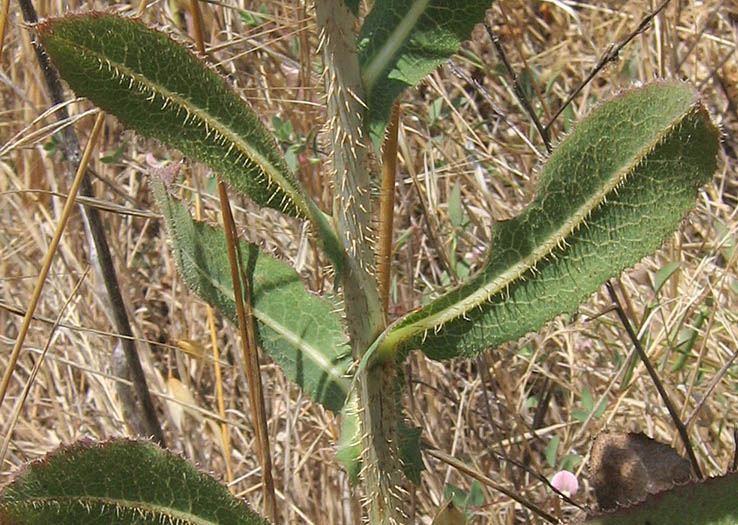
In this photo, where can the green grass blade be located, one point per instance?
(120, 481)
(610, 194)
(401, 42)
(301, 331)
(159, 88)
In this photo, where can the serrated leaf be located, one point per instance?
(709, 502)
(610, 194)
(301, 331)
(402, 41)
(159, 88)
(119, 481)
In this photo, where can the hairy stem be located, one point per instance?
(382, 474)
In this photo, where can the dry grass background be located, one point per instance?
(471, 409)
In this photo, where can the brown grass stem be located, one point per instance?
(387, 207)
(3, 22)
(250, 355)
(36, 367)
(49, 257)
(197, 25)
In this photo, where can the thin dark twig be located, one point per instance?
(540, 477)
(456, 70)
(461, 467)
(734, 465)
(681, 429)
(610, 55)
(696, 40)
(731, 103)
(715, 380)
(93, 224)
(715, 69)
(484, 378)
(517, 88)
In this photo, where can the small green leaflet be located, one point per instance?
(301, 331)
(402, 41)
(611, 194)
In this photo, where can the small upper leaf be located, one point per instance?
(402, 41)
(119, 481)
(610, 194)
(301, 332)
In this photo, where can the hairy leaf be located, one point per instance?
(119, 481)
(610, 194)
(402, 41)
(159, 88)
(709, 502)
(301, 332)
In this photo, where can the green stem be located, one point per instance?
(382, 474)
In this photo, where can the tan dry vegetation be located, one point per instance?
(470, 409)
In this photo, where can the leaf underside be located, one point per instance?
(120, 481)
(301, 331)
(610, 194)
(159, 88)
(402, 41)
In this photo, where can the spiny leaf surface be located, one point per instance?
(159, 88)
(402, 41)
(610, 194)
(710, 502)
(120, 481)
(301, 331)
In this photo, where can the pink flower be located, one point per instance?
(566, 482)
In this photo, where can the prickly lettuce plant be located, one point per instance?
(609, 195)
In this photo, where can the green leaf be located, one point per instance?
(412, 460)
(301, 332)
(455, 210)
(663, 275)
(402, 41)
(709, 502)
(552, 450)
(159, 88)
(348, 451)
(119, 481)
(611, 193)
(115, 156)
